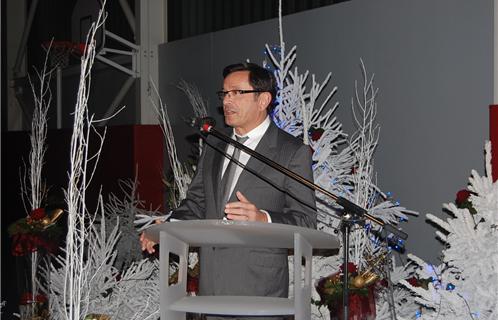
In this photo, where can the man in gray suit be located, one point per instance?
(257, 193)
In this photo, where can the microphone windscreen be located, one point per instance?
(206, 123)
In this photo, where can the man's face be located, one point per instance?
(243, 112)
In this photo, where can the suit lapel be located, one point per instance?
(218, 160)
(267, 146)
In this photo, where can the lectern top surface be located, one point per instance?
(229, 233)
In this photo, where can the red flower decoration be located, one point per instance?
(27, 298)
(351, 267)
(37, 214)
(462, 196)
(413, 281)
(315, 134)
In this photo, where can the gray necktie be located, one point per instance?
(227, 179)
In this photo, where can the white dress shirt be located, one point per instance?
(254, 136)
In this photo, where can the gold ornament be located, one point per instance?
(49, 220)
(369, 276)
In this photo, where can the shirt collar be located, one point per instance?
(259, 131)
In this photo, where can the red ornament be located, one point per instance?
(37, 214)
(462, 196)
(351, 267)
(413, 281)
(315, 133)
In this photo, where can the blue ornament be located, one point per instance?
(450, 286)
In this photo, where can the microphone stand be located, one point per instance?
(352, 212)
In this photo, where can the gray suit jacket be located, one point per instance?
(251, 271)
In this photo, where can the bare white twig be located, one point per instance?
(34, 191)
(180, 172)
(194, 96)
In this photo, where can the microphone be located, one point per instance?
(204, 124)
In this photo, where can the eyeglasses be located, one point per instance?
(234, 93)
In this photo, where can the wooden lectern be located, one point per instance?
(176, 237)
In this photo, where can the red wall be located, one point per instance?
(493, 136)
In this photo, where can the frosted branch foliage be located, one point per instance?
(130, 294)
(123, 211)
(404, 302)
(465, 285)
(297, 111)
(364, 191)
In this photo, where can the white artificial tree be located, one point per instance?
(465, 285)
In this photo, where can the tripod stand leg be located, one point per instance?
(390, 288)
(346, 228)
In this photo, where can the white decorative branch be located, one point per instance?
(194, 96)
(196, 101)
(33, 189)
(180, 172)
(71, 302)
(34, 192)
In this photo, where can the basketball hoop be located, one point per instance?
(60, 52)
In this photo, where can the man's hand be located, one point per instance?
(244, 210)
(147, 245)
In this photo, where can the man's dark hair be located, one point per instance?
(259, 78)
